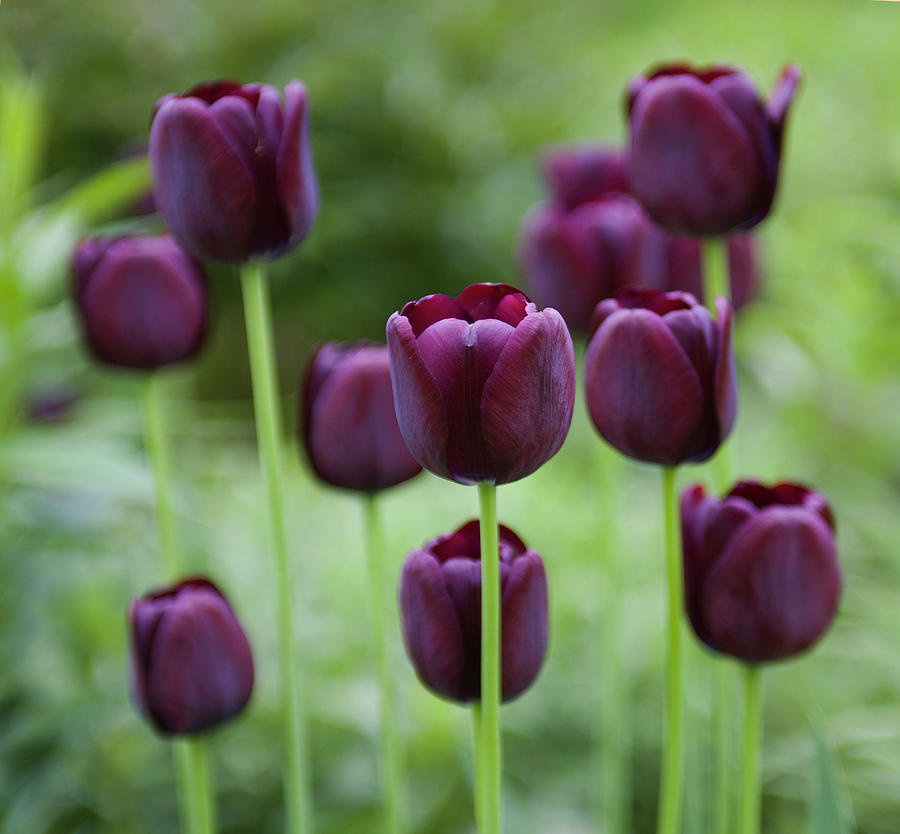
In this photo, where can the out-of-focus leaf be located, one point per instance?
(830, 811)
(105, 192)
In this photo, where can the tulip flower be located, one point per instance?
(232, 170)
(484, 383)
(579, 174)
(191, 664)
(762, 583)
(659, 376)
(705, 149)
(762, 580)
(440, 604)
(141, 300)
(347, 419)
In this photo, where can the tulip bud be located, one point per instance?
(232, 169)
(705, 149)
(675, 263)
(141, 300)
(484, 383)
(579, 174)
(440, 604)
(347, 419)
(659, 376)
(762, 581)
(191, 664)
(573, 259)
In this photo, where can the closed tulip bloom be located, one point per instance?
(579, 174)
(484, 383)
(347, 419)
(572, 259)
(440, 605)
(705, 149)
(659, 376)
(762, 580)
(191, 664)
(141, 300)
(232, 170)
(674, 263)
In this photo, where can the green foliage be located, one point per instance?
(426, 122)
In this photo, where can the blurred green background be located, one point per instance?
(427, 119)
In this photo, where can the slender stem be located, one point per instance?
(722, 730)
(716, 278)
(672, 775)
(490, 661)
(158, 451)
(191, 761)
(268, 433)
(478, 765)
(391, 773)
(750, 782)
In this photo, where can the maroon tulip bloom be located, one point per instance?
(191, 664)
(762, 581)
(440, 603)
(675, 263)
(579, 174)
(347, 419)
(232, 170)
(484, 383)
(659, 376)
(141, 300)
(705, 149)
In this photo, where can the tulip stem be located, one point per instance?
(750, 781)
(672, 774)
(491, 756)
(193, 767)
(715, 271)
(478, 766)
(722, 730)
(260, 343)
(391, 771)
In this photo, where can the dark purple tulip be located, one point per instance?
(659, 376)
(440, 603)
(674, 263)
(762, 581)
(141, 300)
(232, 170)
(347, 419)
(572, 259)
(191, 664)
(579, 174)
(484, 383)
(705, 149)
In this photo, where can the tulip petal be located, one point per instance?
(431, 632)
(690, 158)
(581, 174)
(462, 578)
(296, 177)
(195, 166)
(417, 399)
(775, 590)
(432, 309)
(481, 301)
(523, 625)
(528, 399)
(643, 393)
(781, 99)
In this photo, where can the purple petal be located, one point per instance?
(297, 188)
(527, 404)
(431, 309)
(524, 624)
(579, 174)
(643, 394)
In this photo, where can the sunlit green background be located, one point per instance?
(427, 118)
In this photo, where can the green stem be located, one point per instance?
(158, 451)
(672, 774)
(391, 773)
(193, 767)
(268, 433)
(722, 709)
(478, 765)
(750, 782)
(491, 756)
(716, 278)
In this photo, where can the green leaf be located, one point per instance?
(110, 189)
(830, 811)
